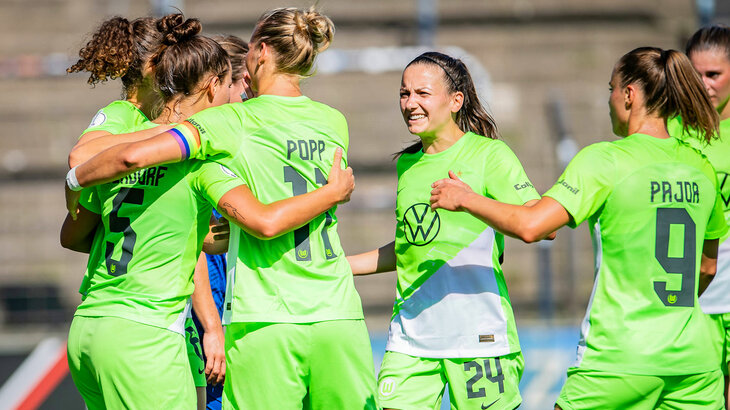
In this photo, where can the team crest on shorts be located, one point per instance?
(387, 386)
(421, 224)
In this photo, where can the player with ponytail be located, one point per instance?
(709, 51)
(129, 327)
(452, 320)
(290, 295)
(655, 214)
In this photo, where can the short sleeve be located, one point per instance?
(717, 225)
(116, 118)
(219, 129)
(213, 180)
(586, 183)
(89, 199)
(506, 179)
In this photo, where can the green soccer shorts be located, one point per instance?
(322, 365)
(195, 353)
(593, 389)
(118, 363)
(409, 382)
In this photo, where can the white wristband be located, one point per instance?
(71, 181)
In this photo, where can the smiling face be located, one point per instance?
(426, 104)
(713, 65)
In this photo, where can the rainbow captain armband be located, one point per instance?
(185, 139)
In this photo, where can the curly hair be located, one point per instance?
(119, 48)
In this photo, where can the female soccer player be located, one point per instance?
(656, 216)
(452, 320)
(123, 49)
(213, 266)
(123, 350)
(237, 49)
(119, 49)
(709, 51)
(290, 299)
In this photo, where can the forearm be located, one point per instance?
(82, 246)
(202, 298)
(378, 260)
(106, 166)
(85, 149)
(267, 221)
(123, 159)
(512, 220)
(708, 264)
(78, 235)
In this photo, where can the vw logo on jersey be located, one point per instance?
(421, 224)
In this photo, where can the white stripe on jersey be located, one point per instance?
(585, 326)
(447, 314)
(714, 299)
(231, 262)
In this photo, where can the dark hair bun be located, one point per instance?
(176, 29)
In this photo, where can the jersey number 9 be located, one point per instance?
(684, 265)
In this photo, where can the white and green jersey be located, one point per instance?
(116, 118)
(715, 299)
(452, 299)
(281, 147)
(154, 224)
(650, 203)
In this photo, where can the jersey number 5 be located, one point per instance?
(122, 225)
(684, 265)
(301, 235)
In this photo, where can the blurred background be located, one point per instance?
(541, 66)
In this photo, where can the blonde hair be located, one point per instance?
(296, 36)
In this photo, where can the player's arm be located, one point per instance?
(204, 306)
(267, 221)
(94, 142)
(216, 241)
(708, 264)
(375, 261)
(534, 202)
(78, 235)
(528, 223)
(123, 159)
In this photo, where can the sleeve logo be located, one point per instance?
(227, 171)
(568, 186)
(421, 224)
(196, 125)
(99, 118)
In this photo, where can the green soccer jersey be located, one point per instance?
(714, 299)
(718, 152)
(281, 147)
(452, 299)
(154, 224)
(116, 118)
(650, 204)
